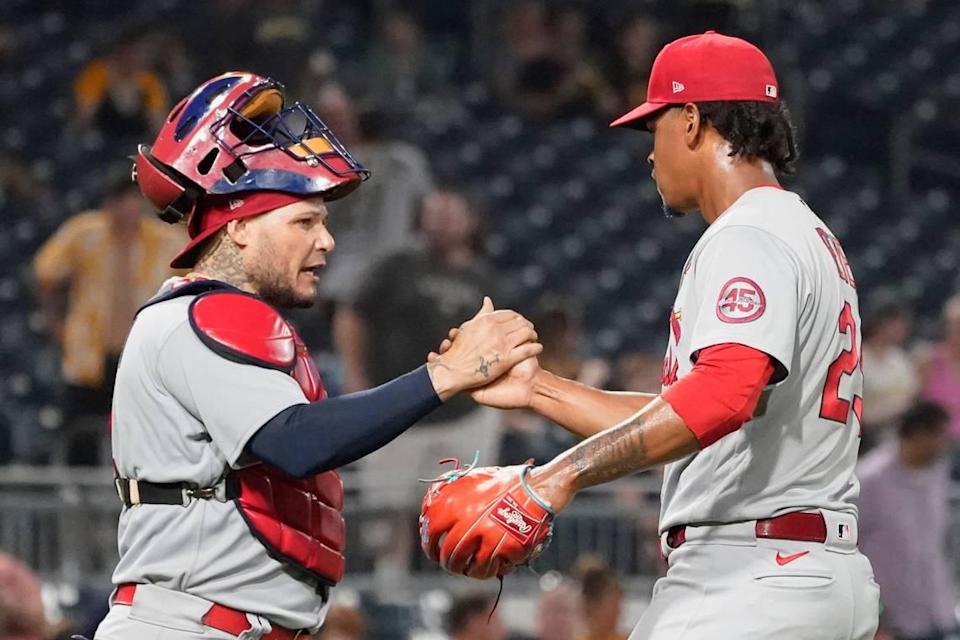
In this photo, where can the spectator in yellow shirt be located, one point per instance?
(119, 94)
(92, 275)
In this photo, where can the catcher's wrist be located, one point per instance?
(444, 379)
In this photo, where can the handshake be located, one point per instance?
(484, 522)
(492, 355)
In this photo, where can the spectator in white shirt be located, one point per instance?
(890, 379)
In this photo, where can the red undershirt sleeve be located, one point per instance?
(722, 390)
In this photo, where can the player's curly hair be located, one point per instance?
(755, 130)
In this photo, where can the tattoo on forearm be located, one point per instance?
(610, 454)
(484, 368)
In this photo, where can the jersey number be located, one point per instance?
(832, 406)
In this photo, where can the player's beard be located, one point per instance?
(268, 276)
(670, 212)
(281, 295)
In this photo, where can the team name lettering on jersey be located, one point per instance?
(670, 368)
(839, 257)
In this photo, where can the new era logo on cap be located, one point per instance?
(678, 87)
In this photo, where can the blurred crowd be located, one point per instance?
(412, 260)
(411, 246)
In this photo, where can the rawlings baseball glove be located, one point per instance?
(484, 522)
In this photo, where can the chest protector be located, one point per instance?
(298, 521)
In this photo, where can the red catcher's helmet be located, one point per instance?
(233, 135)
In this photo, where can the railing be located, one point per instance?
(62, 522)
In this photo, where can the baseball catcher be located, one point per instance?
(224, 442)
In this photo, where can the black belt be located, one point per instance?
(133, 492)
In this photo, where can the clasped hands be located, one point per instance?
(493, 356)
(486, 521)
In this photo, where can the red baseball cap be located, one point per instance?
(703, 68)
(214, 212)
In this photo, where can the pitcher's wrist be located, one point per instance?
(554, 482)
(543, 391)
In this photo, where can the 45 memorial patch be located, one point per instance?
(741, 300)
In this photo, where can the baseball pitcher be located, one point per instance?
(758, 420)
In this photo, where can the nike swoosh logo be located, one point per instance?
(782, 560)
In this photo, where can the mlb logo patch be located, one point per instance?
(771, 91)
(843, 531)
(511, 516)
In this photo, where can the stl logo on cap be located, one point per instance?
(740, 300)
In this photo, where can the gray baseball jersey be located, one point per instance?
(768, 274)
(183, 413)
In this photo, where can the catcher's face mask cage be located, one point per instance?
(253, 132)
(233, 135)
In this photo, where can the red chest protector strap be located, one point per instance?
(298, 521)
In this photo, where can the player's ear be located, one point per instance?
(239, 231)
(692, 125)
